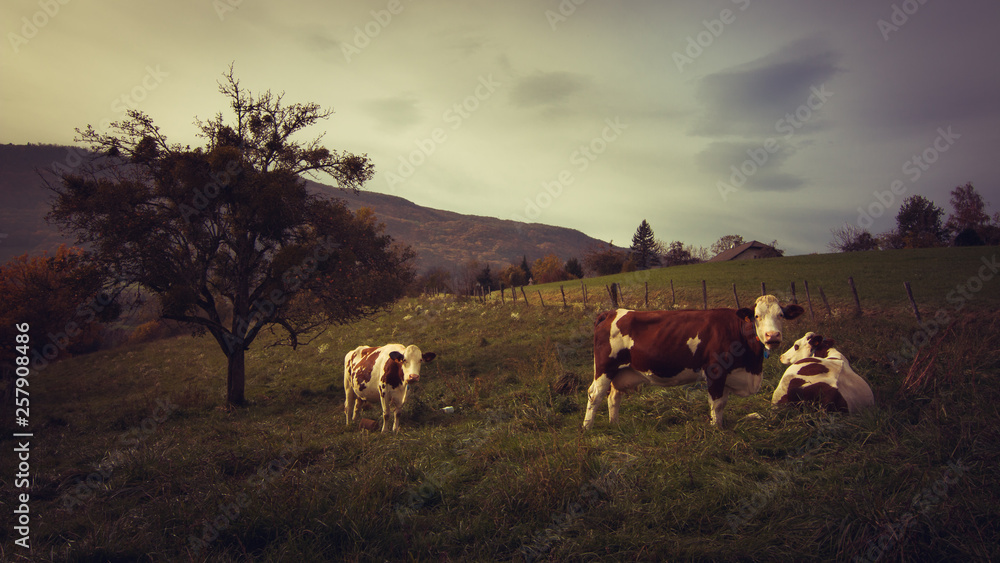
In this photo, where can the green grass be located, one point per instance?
(933, 273)
(509, 475)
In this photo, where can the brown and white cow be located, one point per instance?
(382, 375)
(724, 347)
(820, 373)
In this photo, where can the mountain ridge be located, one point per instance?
(442, 239)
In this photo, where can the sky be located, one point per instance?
(771, 119)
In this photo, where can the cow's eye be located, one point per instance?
(796, 346)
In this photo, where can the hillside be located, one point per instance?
(442, 239)
(132, 455)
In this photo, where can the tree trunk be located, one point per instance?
(236, 378)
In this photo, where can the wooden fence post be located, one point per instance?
(794, 299)
(763, 289)
(540, 300)
(526, 302)
(854, 291)
(736, 296)
(829, 311)
(812, 315)
(673, 296)
(613, 293)
(704, 294)
(909, 293)
(563, 291)
(647, 295)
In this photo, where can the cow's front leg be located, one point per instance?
(717, 405)
(386, 406)
(598, 389)
(614, 401)
(396, 410)
(350, 407)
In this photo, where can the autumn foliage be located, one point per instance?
(56, 295)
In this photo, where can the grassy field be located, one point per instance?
(133, 458)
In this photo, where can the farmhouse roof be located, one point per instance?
(735, 252)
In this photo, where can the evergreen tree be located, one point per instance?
(643, 250)
(526, 268)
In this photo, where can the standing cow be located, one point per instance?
(725, 347)
(818, 372)
(381, 374)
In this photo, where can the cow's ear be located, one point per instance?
(828, 343)
(396, 356)
(792, 311)
(745, 314)
(428, 356)
(816, 341)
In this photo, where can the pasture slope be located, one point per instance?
(134, 460)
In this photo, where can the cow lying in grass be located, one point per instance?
(820, 373)
(381, 374)
(724, 347)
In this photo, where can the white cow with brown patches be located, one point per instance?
(381, 375)
(820, 373)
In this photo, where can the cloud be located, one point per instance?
(749, 99)
(547, 89)
(395, 113)
(762, 169)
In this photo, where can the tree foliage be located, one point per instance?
(231, 226)
(678, 254)
(60, 297)
(513, 276)
(918, 223)
(850, 238)
(574, 268)
(604, 261)
(549, 269)
(643, 250)
(969, 210)
(725, 243)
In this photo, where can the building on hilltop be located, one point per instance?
(747, 251)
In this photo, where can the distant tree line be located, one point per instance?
(601, 259)
(920, 224)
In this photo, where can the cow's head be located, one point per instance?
(767, 316)
(410, 359)
(810, 345)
